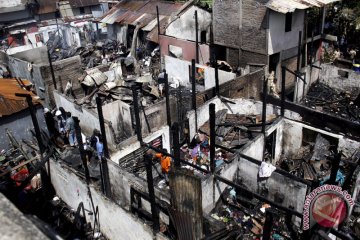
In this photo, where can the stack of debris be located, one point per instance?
(248, 215)
(313, 162)
(342, 104)
(233, 131)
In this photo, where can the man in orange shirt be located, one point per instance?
(165, 162)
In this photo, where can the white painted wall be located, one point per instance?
(179, 69)
(115, 222)
(278, 39)
(330, 76)
(10, 3)
(184, 26)
(312, 75)
(131, 144)
(88, 118)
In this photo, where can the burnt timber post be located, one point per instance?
(167, 98)
(212, 115)
(283, 76)
(265, 93)
(196, 37)
(269, 221)
(176, 145)
(103, 163)
(52, 70)
(298, 66)
(335, 167)
(137, 115)
(158, 27)
(34, 120)
(81, 148)
(150, 182)
(217, 87)
(193, 90)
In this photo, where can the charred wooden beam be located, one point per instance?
(212, 115)
(150, 182)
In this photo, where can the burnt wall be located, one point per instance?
(247, 86)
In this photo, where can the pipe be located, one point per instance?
(52, 70)
(176, 145)
(212, 115)
(193, 90)
(197, 37)
(137, 115)
(150, 182)
(167, 98)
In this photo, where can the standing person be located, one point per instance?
(70, 129)
(100, 147)
(165, 162)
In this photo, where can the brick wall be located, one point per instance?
(247, 57)
(291, 64)
(232, 57)
(254, 25)
(226, 20)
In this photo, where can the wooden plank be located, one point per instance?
(18, 166)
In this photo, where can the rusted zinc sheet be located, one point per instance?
(285, 6)
(140, 12)
(83, 3)
(186, 204)
(9, 103)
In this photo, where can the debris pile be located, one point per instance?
(313, 162)
(248, 215)
(233, 131)
(342, 104)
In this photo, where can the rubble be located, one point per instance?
(247, 215)
(342, 104)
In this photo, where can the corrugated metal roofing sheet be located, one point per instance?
(83, 3)
(285, 6)
(139, 12)
(9, 103)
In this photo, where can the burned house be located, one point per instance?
(254, 33)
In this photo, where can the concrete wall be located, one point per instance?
(119, 114)
(19, 68)
(184, 26)
(293, 137)
(20, 125)
(179, 69)
(115, 222)
(312, 76)
(36, 56)
(188, 49)
(130, 145)
(88, 118)
(279, 39)
(246, 172)
(240, 106)
(329, 75)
